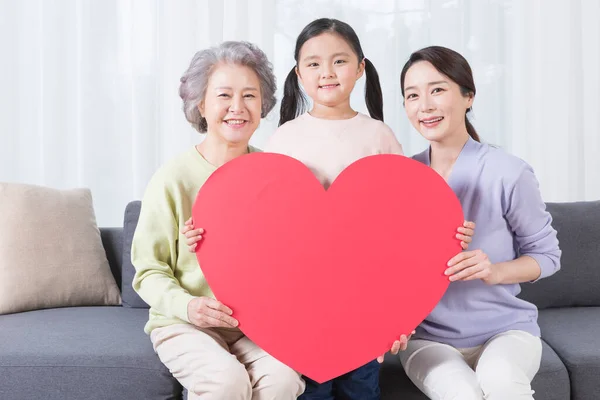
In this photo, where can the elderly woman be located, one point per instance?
(226, 91)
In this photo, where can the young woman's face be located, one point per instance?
(328, 69)
(434, 104)
(232, 104)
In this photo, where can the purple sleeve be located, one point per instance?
(532, 224)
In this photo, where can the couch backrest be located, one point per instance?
(576, 284)
(578, 281)
(129, 296)
(112, 240)
(117, 244)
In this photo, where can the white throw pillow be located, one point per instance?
(51, 253)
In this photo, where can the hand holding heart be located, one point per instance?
(470, 265)
(206, 312)
(192, 236)
(399, 345)
(465, 234)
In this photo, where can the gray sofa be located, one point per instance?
(102, 353)
(569, 317)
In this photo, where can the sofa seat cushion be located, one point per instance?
(551, 382)
(574, 335)
(81, 353)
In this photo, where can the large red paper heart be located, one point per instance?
(325, 281)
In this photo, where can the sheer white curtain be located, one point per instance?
(88, 88)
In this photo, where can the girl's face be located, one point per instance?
(328, 69)
(232, 105)
(434, 104)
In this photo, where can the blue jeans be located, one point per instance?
(360, 384)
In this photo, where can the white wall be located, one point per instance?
(88, 88)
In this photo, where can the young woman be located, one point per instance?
(481, 341)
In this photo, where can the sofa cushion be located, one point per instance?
(578, 281)
(51, 253)
(574, 334)
(550, 383)
(130, 297)
(81, 353)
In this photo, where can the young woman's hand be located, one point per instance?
(470, 265)
(399, 345)
(466, 232)
(206, 312)
(193, 236)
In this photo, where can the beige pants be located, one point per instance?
(223, 364)
(501, 369)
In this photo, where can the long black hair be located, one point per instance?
(295, 103)
(452, 64)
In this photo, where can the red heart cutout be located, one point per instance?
(325, 281)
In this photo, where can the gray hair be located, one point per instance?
(195, 80)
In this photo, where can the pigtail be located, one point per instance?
(373, 94)
(293, 102)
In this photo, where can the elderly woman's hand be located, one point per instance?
(193, 236)
(206, 312)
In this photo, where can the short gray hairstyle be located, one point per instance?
(195, 80)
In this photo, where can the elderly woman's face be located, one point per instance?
(232, 105)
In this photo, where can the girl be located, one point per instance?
(481, 341)
(329, 61)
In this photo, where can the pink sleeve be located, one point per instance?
(390, 144)
(271, 145)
